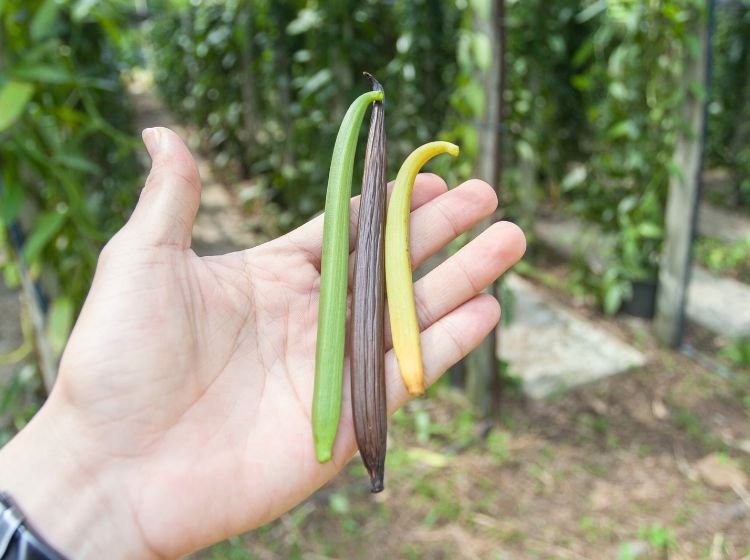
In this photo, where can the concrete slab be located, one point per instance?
(553, 349)
(722, 223)
(571, 238)
(719, 304)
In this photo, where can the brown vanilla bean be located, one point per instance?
(368, 306)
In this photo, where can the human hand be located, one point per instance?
(181, 414)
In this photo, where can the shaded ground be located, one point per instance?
(584, 475)
(650, 464)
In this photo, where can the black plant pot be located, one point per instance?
(643, 301)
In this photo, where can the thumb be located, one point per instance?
(169, 201)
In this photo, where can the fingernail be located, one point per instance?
(152, 139)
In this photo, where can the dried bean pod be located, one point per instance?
(369, 409)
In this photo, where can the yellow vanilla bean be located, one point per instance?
(398, 272)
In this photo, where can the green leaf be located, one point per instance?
(44, 20)
(316, 82)
(77, 162)
(650, 230)
(427, 457)
(59, 323)
(627, 204)
(591, 11)
(10, 202)
(525, 151)
(82, 9)
(624, 129)
(339, 503)
(474, 95)
(11, 274)
(582, 82)
(627, 551)
(481, 9)
(45, 228)
(584, 53)
(613, 297)
(574, 178)
(307, 19)
(482, 50)
(13, 99)
(619, 91)
(43, 74)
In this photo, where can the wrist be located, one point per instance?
(71, 498)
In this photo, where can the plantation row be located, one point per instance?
(591, 109)
(592, 100)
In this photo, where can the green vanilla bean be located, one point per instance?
(369, 411)
(329, 352)
(398, 276)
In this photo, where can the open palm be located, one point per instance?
(191, 378)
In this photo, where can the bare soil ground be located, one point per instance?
(611, 468)
(650, 464)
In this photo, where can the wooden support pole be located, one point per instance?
(482, 374)
(46, 359)
(684, 193)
